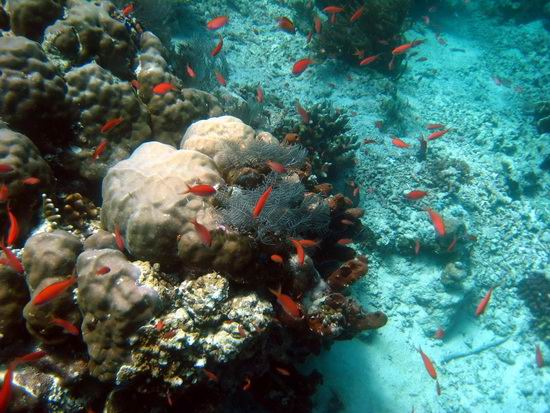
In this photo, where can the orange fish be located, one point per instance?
(28, 358)
(5, 392)
(100, 148)
(282, 371)
(67, 326)
(401, 49)
(358, 14)
(437, 221)
(416, 247)
(277, 259)
(346, 222)
(211, 376)
(345, 241)
(308, 243)
(439, 334)
(119, 239)
(219, 77)
(135, 84)
(204, 234)
(483, 303)
(416, 194)
(259, 94)
(11, 259)
(190, 71)
(200, 190)
(299, 251)
(217, 22)
(452, 245)
(163, 87)
(286, 24)
(261, 202)
(538, 356)
(4, 193)
(437, 134)
(53, 290)
(432, 126)
(289, 306)
(242, 332)
(110, 124)
(218, 47)
(103, 270)
(5, 168)
(317, 24)
(128, 9)
(14, 227)
(333, 9)
(31, 180)
(276, 167)
(301, 65)
(428, 364)
(304, 114)
(399, 143)
(247, 384)
(368, 60)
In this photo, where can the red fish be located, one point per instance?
(289, 306)
(308, 243)
(128, 9)
(452, 245)
(219, 77)
(399, 143)
(301, 65)
(286, 24)
(100, 148)
(163, 87)
(4, 193)
(204, 234)
(67, 326)
(217, 22)
(304, 114)
(211, 376)
(11, 259)
(344, 241)
(110, 124)
(432, 126)
(53, 290)
(538, 356)
(356, 192)
(276, 167)
(437, 221)
(5, 393)
(13, 234)
(358, 14)
(135, 84)
(299, 251)
(416, 247)
(31, 180)
(247, 384)
(261, 202)
(318, 25)
(416, 194)
(483, 303)
(5, 168)
(439, 334)
(402, 49)
(103, 270)
(276, 258)
(333, 9)
(259, 94)
(119, 239)
(282, 371)
(346, 221)
(428, 364)
(218, 47)
(368, 60)
(28, 358)
(437, 134)
(200, 190)
(190, 71)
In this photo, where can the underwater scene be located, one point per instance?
(287, 206)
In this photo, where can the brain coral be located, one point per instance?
(32, 94)
(100, 97)
(29, 18)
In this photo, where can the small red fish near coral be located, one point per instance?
(247, 384)
(428, 364)
(538, 356)
(29, 358)
(200, 190)
(437, 221)
(53, 290)
(416, 247)
(345, 241)
(211, 376)
(318, 25)
(437, 134)
(289, 306)
(356, 192)
(67, 326)
(299, 251)
(452, 245)
(110, 124)
(218, 47)
(416, 194)
(11, 259)
(308, 243)
(100, 148)
(169, 334)
(242, 332)
(31, 180)
(301, 65)
(357, 14)
(5, 168)
(346, 222)
(276, 167)
(286, 24)
(128, 9)
(190, 71)
(399, 143)
(368, 60)
(119, 239)
(217, 22)
(333, 9)
(13, 233)
(260, 94)
(401, 49)
(277, 259)
(204, 234)
(439, 334)
(261, 202)
(159, 326)
(304, 114)
(219, 77)
(282, 371)
(4, 193)
(163, 87)
(103, 270)
(5, 392)
(135, 84)
(432, 126)
(483, 303)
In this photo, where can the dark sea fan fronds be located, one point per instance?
(258, 152)
(289, 212)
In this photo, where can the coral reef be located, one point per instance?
(542, 116)
(13, 297)
(535, 290)
(29, 18)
